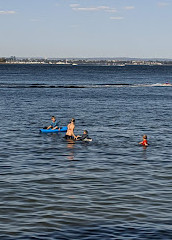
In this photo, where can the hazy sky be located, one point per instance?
(86, 28)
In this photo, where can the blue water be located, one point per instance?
(110, 188)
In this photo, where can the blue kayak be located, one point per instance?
(62, 129)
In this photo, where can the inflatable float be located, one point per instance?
(62, 129)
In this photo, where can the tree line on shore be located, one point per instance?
(91, 61)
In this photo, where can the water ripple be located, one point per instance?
(110, 188)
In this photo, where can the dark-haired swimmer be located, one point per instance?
(70, 130)
(84, 137)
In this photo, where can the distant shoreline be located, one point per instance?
(90, 63)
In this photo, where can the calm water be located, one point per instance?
(110, 188)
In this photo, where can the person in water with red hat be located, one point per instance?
(144, 142)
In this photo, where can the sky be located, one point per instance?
(86, 28)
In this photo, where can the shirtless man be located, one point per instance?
(70, 130)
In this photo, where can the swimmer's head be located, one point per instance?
(144, 136)
(73, 120)
(85, 132)
(53, 118)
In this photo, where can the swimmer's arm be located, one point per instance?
(72, 129)
(56, 128)
(145, 144)
(78, 137)
(75, 137)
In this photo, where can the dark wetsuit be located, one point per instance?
(84, 136)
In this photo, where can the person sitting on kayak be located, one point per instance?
(84, 136)
(144, 142)
(70, 130)
(54, 124)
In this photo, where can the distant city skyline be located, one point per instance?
(86, 28)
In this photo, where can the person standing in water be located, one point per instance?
(144, 142)
(70, 130)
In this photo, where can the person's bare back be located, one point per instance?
(70, 129)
